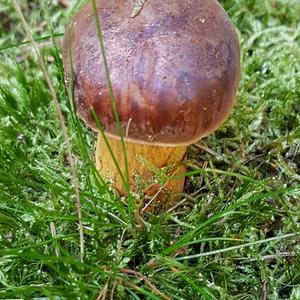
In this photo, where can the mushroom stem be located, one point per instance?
(146, 164)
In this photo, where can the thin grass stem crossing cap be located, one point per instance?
(174, 68)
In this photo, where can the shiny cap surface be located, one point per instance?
(174, 68)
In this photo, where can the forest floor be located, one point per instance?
(236, 233)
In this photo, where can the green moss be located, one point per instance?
(238, 225)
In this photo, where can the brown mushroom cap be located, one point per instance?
(174, 68)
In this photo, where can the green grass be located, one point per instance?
(236, 235)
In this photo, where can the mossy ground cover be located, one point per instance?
(235, 234)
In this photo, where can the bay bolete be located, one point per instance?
(174, 69)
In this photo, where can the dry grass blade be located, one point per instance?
(206, 149)
(61, 120)
(142, 277)
(103, 293)
(112, 293)
(147, 282)
(264, 290)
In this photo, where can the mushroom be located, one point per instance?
(174, 70)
